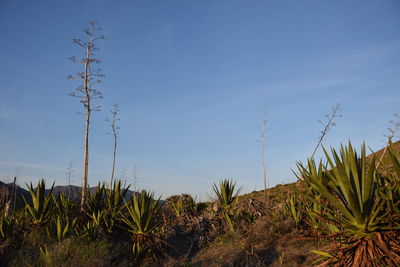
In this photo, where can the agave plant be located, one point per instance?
(39, 208)
(105, 221)
(62, 227)
(89, 230)
(294, 208)
(177, 207)
(46, 256)
(183, 206)
(95, 202)
(225, 192)
(63, 205)
(114, 197)
(314, 208)
(354, 205)
(105, 206)
(114, 200)
(226, 197)
(142, 221)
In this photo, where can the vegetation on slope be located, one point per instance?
(343, 213)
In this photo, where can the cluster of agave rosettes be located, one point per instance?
(107, 214)
(350, 201)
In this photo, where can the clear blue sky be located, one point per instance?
(191, 78)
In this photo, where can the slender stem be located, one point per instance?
(88, 110)
(327, 127)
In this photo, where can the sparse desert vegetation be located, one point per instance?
(166, 166)
(343, 213)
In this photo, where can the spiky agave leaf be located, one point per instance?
(90, 230)
(143, 221)
(64, 227)
(294, 207)
(352, 190)
(225, 192)
(177, 207)
(226, 196)
(356, 204)
(61, 227)
(39, 208)
(63, 205)
(95, 202)
(115, 196)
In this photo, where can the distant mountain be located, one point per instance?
(10, 193)
(71, 191)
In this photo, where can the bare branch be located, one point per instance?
(114, 118)
(394, 128)
(327, 125)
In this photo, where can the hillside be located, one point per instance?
(196, 234)
(7, 193)
(386, 166)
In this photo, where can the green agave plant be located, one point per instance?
(63, 205)
(105, 221)
(46, 257)
(95, 202)
(184, 205)
(312, 209)
(106, 215)
(226, 196)
(39, 208)
(114, 200)
(354, 204)
(294, 209)
(115, 196)
(143, 221)
(89, 230)
(225, 192)
(104, 207)
(352, 190)
(177, 207)
(62, 227)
